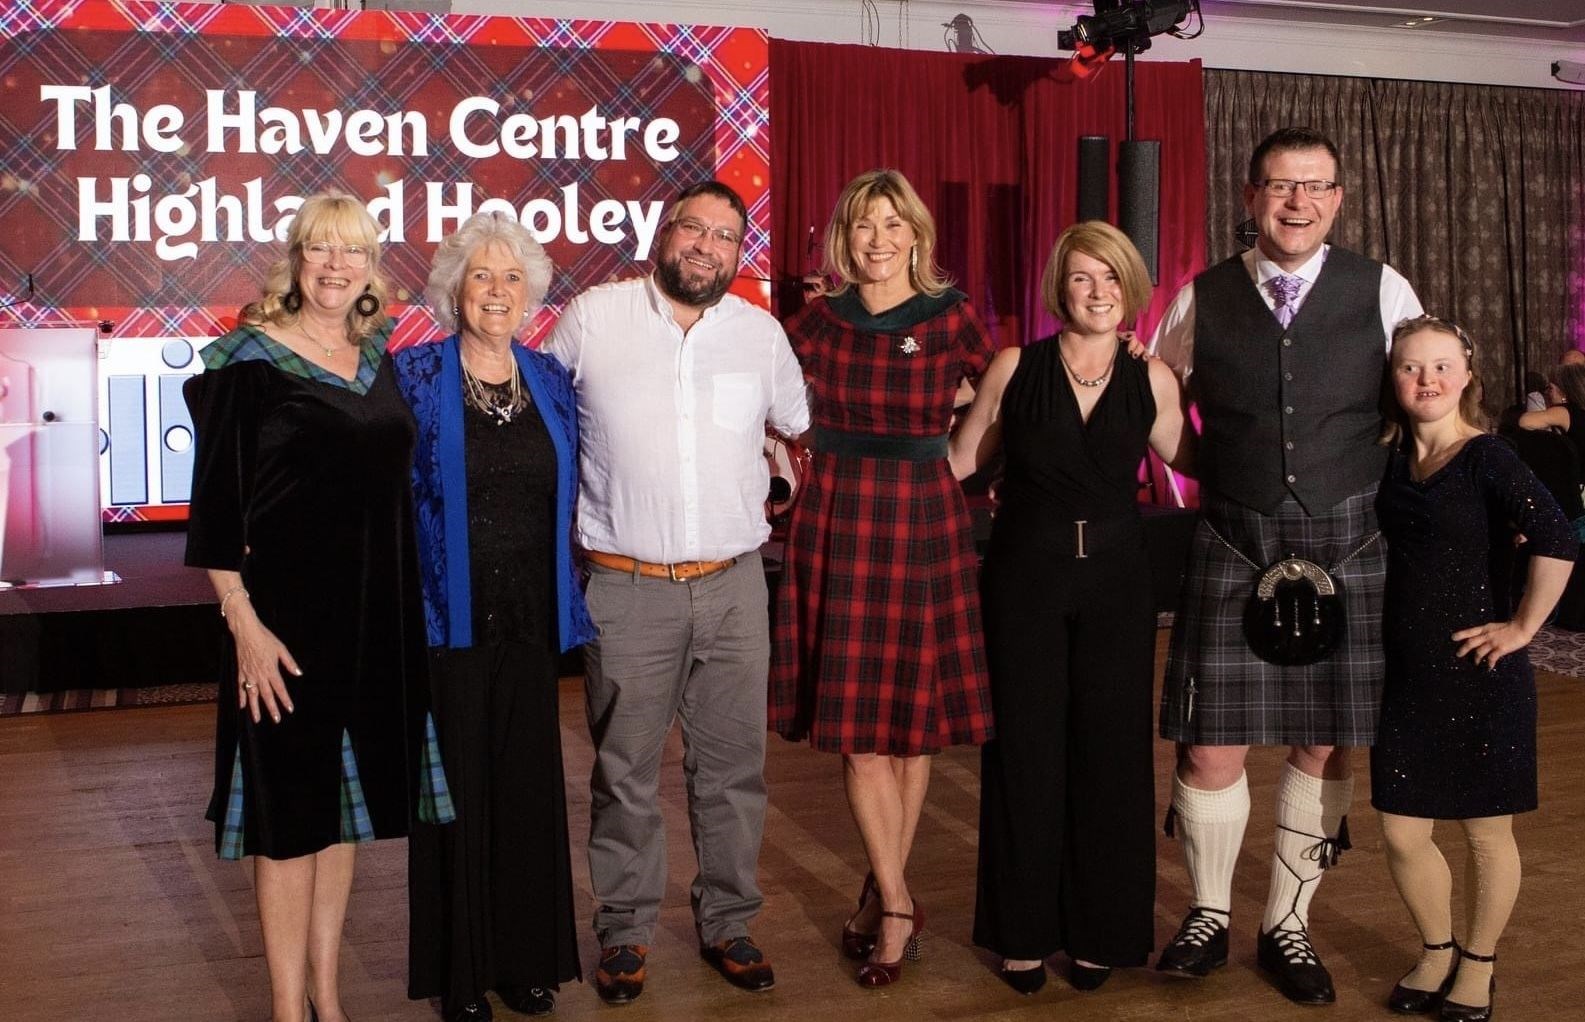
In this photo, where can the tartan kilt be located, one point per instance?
(1216, 691)
(877, 643)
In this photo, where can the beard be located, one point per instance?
(697, 292)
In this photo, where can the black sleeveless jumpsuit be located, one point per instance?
(1067, 807)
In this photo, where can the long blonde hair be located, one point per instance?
(325, 215)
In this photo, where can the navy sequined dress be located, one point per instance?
(1457, 741)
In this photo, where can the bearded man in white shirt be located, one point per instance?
(676, 380)
(1282, 349)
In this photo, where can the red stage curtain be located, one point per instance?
(990, 143)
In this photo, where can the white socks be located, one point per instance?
(1211, 826)
(1310, 813)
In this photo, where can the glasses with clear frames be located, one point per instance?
(693, 230)
(319, 253)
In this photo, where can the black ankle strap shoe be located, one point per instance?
(1452, 1011)
(1414, 1001)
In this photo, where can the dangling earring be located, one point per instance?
(913, 259)
(368, 303)
(292, 300)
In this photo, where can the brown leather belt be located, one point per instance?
(682, 571)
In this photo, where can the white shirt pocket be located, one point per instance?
(736, 402)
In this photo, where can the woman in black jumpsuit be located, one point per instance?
(1067, 849)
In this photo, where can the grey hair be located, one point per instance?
(454, 251)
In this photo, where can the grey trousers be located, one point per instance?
(699, 652)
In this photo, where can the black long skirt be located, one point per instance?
(490, 896)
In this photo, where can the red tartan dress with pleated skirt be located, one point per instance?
(877, 645)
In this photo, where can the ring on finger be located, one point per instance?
(248, 685)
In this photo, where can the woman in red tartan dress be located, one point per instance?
(877, 651)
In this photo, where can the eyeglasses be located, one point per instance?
(693, 230)
(1281, 188)
(319, 252)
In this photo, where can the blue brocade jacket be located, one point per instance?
(430, 378)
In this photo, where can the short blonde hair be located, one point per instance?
(323, 216)
(855, 201)
(454, 251)
(1098, 240)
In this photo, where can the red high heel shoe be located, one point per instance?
(881, 974)
(856, 944)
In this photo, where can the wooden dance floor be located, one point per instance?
(114, 907)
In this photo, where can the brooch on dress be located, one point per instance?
(909, 346)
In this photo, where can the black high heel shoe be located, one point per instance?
(1411, 1001)
(1025, 981)
(1087, 977)
(856, 944)
(1452, 1011)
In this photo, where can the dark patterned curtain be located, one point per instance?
(1475, 193)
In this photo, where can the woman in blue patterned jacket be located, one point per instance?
(494, 478)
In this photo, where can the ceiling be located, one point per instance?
(1559, 22)
(1553, 21)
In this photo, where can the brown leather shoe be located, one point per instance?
(620, 976)
(741, 962)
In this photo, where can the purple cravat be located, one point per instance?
(1284, 289)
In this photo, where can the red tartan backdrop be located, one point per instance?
(990, 143)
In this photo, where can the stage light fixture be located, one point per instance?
(1127, 25)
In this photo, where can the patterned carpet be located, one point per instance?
(104, 698)
(1559, 652)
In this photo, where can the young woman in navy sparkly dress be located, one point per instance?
(1457, 733)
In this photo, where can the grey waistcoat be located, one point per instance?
(1296, 410)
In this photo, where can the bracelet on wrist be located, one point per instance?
(229, 593)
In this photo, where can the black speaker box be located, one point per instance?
(1139, 198)
(1095, 193)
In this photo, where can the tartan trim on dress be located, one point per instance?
(355, 825)
(231, 827)
(248, 343)
(434, 796)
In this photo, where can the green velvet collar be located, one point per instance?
(921, 307)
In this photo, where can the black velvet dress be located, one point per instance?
(301, 483)
(1067, 810)
(1457, 741)
(491, 894)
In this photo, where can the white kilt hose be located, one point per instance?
(1216, 690)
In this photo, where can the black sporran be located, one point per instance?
(1296, 614)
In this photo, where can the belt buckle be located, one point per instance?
(1079, 553)
(671, 570)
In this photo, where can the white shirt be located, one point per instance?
(672, 427)
(1174, 337)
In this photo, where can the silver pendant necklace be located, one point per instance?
(485, 399)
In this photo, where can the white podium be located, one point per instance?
(50, 531)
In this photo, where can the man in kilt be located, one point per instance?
(676, 380)
(1282, 349)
